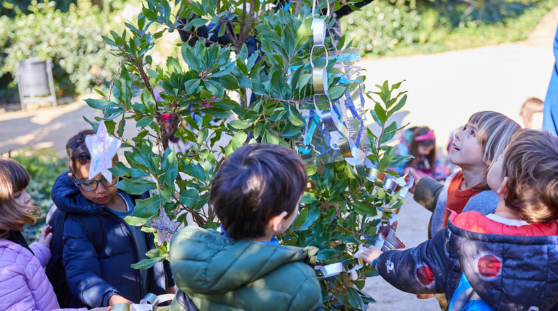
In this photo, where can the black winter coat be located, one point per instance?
(93, 278)
(508, 272)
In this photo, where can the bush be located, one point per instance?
(381, 29)
(72, 39)
(43, 167)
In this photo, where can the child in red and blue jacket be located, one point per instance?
(507, 260)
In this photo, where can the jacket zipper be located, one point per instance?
(131, 236)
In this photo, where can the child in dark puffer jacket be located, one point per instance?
(502, 261)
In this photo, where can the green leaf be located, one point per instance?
(135, 221)
(144, 122)
(354, 298)
(304, 32)
(400, 160)
(313, 215)
(198, 22)
(240, 124)
(311, 170)
(190, 57)
(380, 113)
(194, 169)
(325, 254)
(386, 158)
(294, 116)
(148, 207)
(192, 85)
(121, 126)
(236, 142)
(398, 107)
(336, 92)
(307, 198)
(169, 165)
(217, 113)
(363, 209)
(145, 264)
(300, 219)
(189, 197)
(136, 188)
(303, 80)
(101, 103)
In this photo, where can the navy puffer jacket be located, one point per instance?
(93, 278)
(507, 271)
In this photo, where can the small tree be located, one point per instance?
(335, 213)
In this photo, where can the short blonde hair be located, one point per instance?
(531, 166)
(494, 133)
(13, 179)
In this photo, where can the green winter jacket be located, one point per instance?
(219, 273)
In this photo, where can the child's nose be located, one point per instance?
(100, 188)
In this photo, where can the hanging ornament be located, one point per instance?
(102, 148)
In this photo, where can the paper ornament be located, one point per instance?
(102, 148)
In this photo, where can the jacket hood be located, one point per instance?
(507, 263)
(205, 262)
(68, 198)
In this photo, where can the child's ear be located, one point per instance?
(276, 222)
(503, 187)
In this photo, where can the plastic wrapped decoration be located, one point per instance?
(346, 119)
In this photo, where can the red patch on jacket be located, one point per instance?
(477, 222)
(425, 275)
(489, 266)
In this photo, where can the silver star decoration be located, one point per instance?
(102, 148)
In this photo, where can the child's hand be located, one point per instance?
(416, 177)
(116, 299)
(425, 296)
(46, 236)
(101, 309)
(370, 254)
(172, 290)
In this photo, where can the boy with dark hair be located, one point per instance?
(255, 194)
(502, 261)
(98, 246)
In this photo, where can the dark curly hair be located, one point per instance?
(257, 183)
(77, 149)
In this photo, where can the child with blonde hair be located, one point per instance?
(23, 282)
(502, 261)
(474, 149)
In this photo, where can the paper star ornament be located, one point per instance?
(102, 148)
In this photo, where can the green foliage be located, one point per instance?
(335, 213)
(382, 29)
(44, 167)
(379, 28)
(72, 39)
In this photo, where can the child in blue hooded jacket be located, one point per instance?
(502, 261)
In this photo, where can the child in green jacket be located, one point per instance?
(255, 195)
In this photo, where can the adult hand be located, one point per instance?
(116, 299)
(416, 177)
(46, 236)
(370, 254)
(425, 296)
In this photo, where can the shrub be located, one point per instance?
(72, 39)
(383, 29)
(380, 27)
